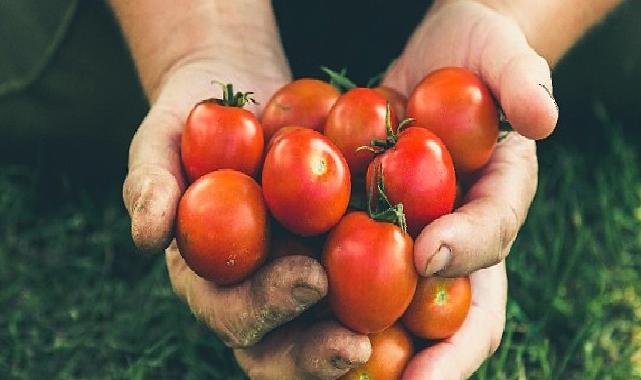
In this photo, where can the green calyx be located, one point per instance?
(379, 206)
(378, 146)
(339, 79)
(231, 98)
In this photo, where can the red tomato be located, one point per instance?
(397, 100)
(356, 119)
(218, 136)
(306, 182)
(439, 307)
(458, 107)
(222, 228)
(417, 172)
(392, 348)
(279, 135)
(370, 272)
(304, 102)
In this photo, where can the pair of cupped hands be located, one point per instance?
(257, 317)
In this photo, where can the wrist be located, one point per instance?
(165, 36)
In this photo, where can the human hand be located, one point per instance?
(467, 33)
(241, 315)
(480, 233)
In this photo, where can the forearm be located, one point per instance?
(163, 34)
(553, 26)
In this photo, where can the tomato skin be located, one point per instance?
(418, 172)
(370, 272)
(439, 307)
(222, 228)
(392, 348)
(306, 182)
(458, 107)
(220, 137)
(397, 100)
(304, 102)
(356, 119)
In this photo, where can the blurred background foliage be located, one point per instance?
(78, 301)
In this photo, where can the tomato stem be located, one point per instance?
(339, 79)
(384, 210)
(392, 137)
(231, 99)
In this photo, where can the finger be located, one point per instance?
(323, 351)
(479, 233)
(517, 75)
(477, 339)
(155, 182)
(241, 315)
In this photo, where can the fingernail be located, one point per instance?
(341, 363)
(439, 261)
(550, 95)
(305, 295)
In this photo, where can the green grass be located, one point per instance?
(77, 300)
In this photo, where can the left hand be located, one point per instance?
(479, 234)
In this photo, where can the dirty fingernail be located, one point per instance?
(305, 295)
(341, 363)
(439, 261)
(550, 95)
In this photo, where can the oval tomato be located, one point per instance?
(458, 107)
(306, 182)
(370, 272)
(218, 136)
(417, 172)
(397, 100)
(356, 119)
(222, 228)
(439, 307)
(304, 102)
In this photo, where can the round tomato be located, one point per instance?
(306, 182)
(222, 228)
(439, 307)
(417, 172)
(392, 348)
(220, 134)
(458, 107)
(397, 100)
(357, 118)
(304, 102)
(370, 272)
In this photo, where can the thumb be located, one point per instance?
(519, 78)
(155, 181)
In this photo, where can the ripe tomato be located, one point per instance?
(417, 172)
(306, 182)
(222, 228)
(356, 119)
(458, 107)
(439, 307)
(304, 102)
(370, 272)
(220, 134)
(397, 100)
(392, 348)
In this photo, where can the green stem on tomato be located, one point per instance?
(231, 99)
(384, 210)
(339, 79)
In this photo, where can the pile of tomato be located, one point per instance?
(348, 173)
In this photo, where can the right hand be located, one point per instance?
(241, 315)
